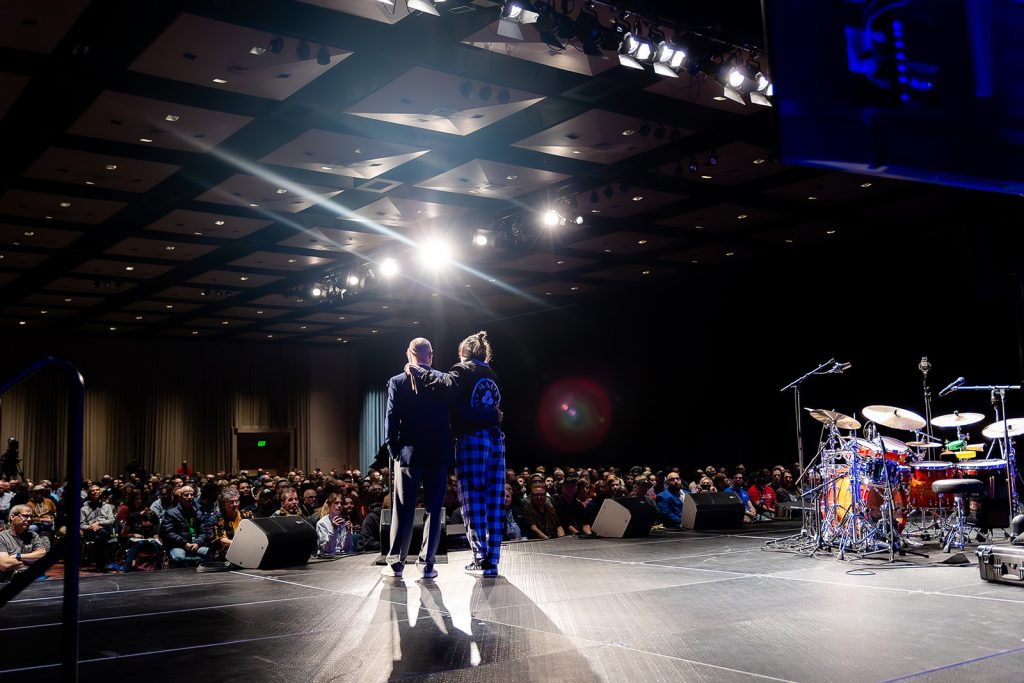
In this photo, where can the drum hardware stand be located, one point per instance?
(997, 394)
(888, 517)
(795, 386)
(924, 366)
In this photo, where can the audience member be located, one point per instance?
(19, 545)
(670, 501)
(540, 515)
(44, 511)
(143, 541)
(97, 525)
(335, 532)
(289, 503)
(225, 522)
(183, 531)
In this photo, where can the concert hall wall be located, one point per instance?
(164, 401)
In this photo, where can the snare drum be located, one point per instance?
(922, 474)
(895, 449)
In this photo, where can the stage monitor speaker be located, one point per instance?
(272, 542)
(417, 533)
(624, 518)
(712, 511)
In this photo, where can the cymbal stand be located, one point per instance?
(795, 386)
(997, 395)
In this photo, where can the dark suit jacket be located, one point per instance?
(416, 425)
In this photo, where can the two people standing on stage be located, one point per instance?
(472, 393)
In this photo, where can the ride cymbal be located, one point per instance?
(957, 419)
(1014, 426)
(893, 417)
(831, 416)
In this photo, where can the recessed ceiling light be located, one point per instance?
(559, 263)
(169, 247)
(830, 232)
(253, 205)
(705, 177)
(43, 312)
(89, 182)
(169, 306)
(415, 322)
(607, 251)
(758, 161)
(113, 329)
(742, 216)
(574, 288)
(219, 81)
(373, 331)
(694, 261)
(129, 268)
(281, 190)
(195, 331)
(65, 205)
(326, 168)
(595, 211)
(718, 98)
(28, 233)
(197, 233)
(435, 293)
(145, 140)
(49, 218)
(111, 167)
(637, 198)
(789, 241)
(67, 300)
(224, 322)
(302, 327)
(138, 317)
(171, 117)
(292, 260)
(628, 131)
(257, 50)
(218, 222)
(270, 336)
(244, 278)
(812, 197)
(341, 317)
(641, 241)
(22, 322)
(865, 184)
(259, 312)
(730, 253)
(646, 272)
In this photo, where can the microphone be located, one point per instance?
(840, 368)
(924, 366)
(952, 385)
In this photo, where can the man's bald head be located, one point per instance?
(420, 347)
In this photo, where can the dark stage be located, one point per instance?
(670, 607)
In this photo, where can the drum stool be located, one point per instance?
(956, 533)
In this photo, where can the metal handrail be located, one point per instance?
(71, 543)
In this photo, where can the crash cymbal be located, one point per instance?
(1015, 427)
(830, 416)
(924, 444)
(894, 418)
(957, 419)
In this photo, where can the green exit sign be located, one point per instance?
(261, 443)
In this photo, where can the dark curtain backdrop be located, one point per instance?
(162, 402)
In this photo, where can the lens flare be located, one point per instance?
(574, 415)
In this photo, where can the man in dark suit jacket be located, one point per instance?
(420, 442)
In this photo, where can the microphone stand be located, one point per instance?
(998, 397)
(924, 366)
(795, 386)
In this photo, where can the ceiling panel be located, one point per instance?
(99, 170)
(160, 249)
(202, 223)
(330, 239)
(37, 238)
(204, 51)
(256, 192)
(492, 179)
(280, 261)
(322, 151)
(127, 269)
(720, 218)
(224, 278)
(388, 13)
(37, 26)
(11, 86)
(623, 242)
(58, 207)
(599, 136)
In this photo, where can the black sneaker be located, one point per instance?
(482, 568)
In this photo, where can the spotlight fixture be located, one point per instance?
(668, 59)
(512, 15)
(589, 32)
(480, 239)
(485, 92)
(763, 90)
(634, 50)
(504, 96)
(317, 290)
(323, 56)
(435, 254)
(466, 88)
(276, 45)
(303, 51)
(389, 267)
(425, 6)
(713, 159)
(693, 165)
(551, 218)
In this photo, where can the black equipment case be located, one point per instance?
(1001, 563)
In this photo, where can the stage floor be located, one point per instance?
(681, 607)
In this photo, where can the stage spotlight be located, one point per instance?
(480, 240)
(634, 50)
(302, 52)
(352, 280)
(551, 218)
(435, 254)
(317, 290)
(512, 15)
(693, 165)
(466, 88)
(668, 59)
(276, 44)
(504, 96)
(578, 220)
(389, 267)
(589, 32)
(554, 27)
(425, 6)
(323, 56)
(763, 91)
(485, 92)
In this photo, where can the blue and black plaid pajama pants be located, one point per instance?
(480, 467)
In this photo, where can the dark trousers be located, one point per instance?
(407, 487)
(100, 539)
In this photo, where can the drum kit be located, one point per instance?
(872, 493)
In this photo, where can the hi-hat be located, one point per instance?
(957, 419)
(997, 430)
(894, 418)
(830, 416)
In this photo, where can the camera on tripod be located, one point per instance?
(10, 461)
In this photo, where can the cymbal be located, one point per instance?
(957, 419)
(894, 418)
(1015, 427)
(830, 416)
(924, 444)
(975, 447)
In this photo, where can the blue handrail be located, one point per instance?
(72, 510)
